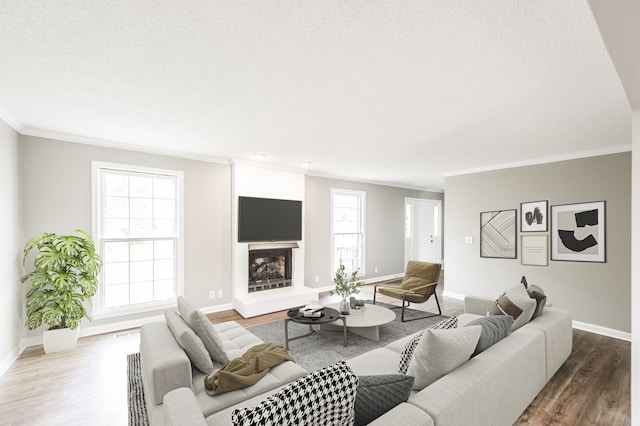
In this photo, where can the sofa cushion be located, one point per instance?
(537, 293)
(441, 351)
(324, 397)
(378, 394)
(494, 329)
(517, 303)
(187, 339)
(407, 353)
(203, 328)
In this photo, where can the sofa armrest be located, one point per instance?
(165, 366)
(181, 409)
(477, 305)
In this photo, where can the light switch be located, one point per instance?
(468, 240)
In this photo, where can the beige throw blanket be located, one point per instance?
(246, 370)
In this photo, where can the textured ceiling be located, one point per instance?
(395, 92)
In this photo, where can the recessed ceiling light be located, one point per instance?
(306, 164)
(260, 156)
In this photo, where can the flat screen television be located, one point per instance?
(267, 219)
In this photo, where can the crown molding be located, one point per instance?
(543, 160)
(10, 120)
(370, 182)
(66, 137)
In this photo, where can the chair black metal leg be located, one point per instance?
(427, 316)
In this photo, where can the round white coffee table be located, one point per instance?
(365, 323)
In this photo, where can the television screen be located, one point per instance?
(266, 219)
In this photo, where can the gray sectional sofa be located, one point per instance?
(494, 387)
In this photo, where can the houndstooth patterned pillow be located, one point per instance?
(407, 353)
(324, 397)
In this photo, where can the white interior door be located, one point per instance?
(423, 230)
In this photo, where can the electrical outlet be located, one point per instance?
(219, 293)
(375, 269)
(212, 294)
(317, 279)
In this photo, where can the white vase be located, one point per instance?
(61, 339)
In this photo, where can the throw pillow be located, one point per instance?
(407, 352)
(203, 328)
(537, 293)
(324, 397)
(440, 352)
(494, 329)
(378, 394)
(517, 303)
(187, 339)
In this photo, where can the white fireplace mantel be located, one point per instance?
(252, 181)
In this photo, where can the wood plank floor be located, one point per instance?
(87, 386)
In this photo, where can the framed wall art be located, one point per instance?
(534, 249)
(498, 234)
(533, 216)
(578, 232)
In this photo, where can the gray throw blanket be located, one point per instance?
(247, 369)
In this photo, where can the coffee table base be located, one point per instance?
(312, 330)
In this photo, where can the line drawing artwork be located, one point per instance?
(498, 234)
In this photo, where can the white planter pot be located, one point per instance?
(62, 339)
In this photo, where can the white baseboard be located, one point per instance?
(604, 331)
(10, 358)
(217, 308)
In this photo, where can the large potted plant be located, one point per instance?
(345, 286)
(64, 279)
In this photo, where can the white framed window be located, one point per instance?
(347, 228)
(138, 231)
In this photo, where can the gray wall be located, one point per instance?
(595, 293)
(11, 302)
(384, 234)
(56, 179)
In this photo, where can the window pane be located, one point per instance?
(164, 227)
(164, 188)
(116, 252)
(163, 289)
(163, 269)
(164, 208)
(116, 273)
(116, 228)
(117, 185)
(164, 249)
(141, 186)
(141, 292)
(141, 271)
(141, 207)
(116, 295)
(116, 207)
(141, 250)
(141, 227)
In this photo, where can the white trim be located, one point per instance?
(113, 327)
(452, 295)
(363, 226)
(96, 198)
(11, 357)
(370, 182)
(604, 331)
(10, 120)
(86, 140)
(544, 160)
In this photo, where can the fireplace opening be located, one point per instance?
(269, 269)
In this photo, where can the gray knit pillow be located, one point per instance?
(378, 394)
(187, 339)
(203, 328)
(494, 329)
